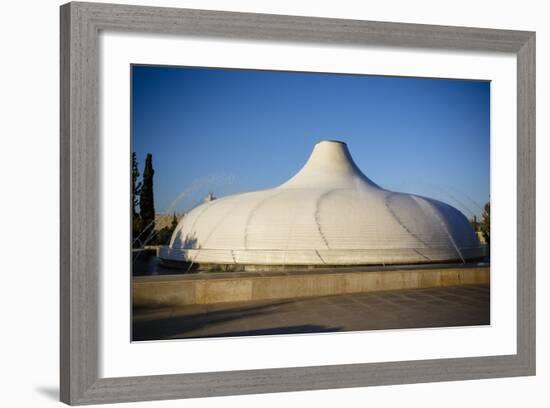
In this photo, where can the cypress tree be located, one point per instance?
(136, 188)
(146, 200)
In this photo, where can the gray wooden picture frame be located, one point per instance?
(80, 234)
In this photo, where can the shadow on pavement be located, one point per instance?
(173, 326)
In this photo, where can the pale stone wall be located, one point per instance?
(177, 290)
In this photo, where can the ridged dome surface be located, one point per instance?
(329, 213)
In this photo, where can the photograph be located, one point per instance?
(288, 203)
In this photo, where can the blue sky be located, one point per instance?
(230, 131)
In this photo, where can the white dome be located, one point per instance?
(329, 213)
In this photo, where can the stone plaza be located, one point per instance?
(461, 305)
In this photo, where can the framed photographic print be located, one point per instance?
(287, 197)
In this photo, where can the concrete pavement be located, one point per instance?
(465, 305)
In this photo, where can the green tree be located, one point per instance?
(485, 225)
(165, 234)
(474, 223)
(174, 222)
(136, 189)
(147, 201)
